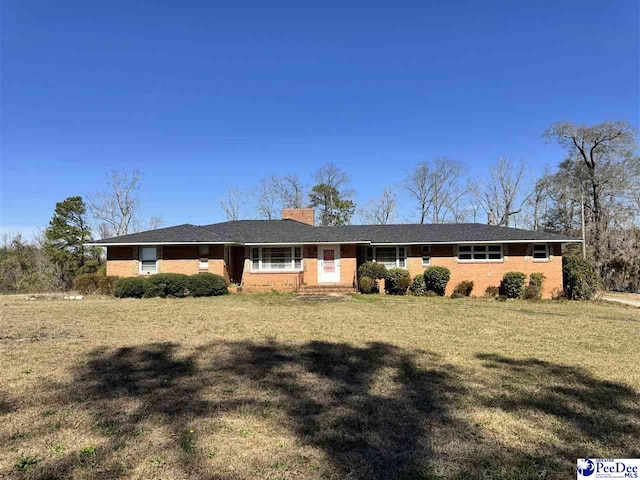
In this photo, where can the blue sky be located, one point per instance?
(200, 97)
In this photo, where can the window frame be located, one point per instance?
(294, 260)
(486, 252)
(141, 260)
(546, 250)
(426, 254)
(401, 259)
(203, 257)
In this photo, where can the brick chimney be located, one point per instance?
(303, 215)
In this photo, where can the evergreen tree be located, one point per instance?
(67, 232)
(334, 210)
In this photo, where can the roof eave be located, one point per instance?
(473, 242)
(133, 244)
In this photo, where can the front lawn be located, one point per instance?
(273, 387)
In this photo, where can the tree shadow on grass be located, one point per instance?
(585, 416)
(369, 409)
(374, 412)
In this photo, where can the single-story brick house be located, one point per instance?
(294, 255)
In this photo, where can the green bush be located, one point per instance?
(491, 291)
(133, 287)
(457, 295)
(166, 285)
(532, 292)
(417, 285)
(107, 284)
(397, 281)
(436, 279)
(430, 293)
(373, 270)
(580, 279)
(367, 285)
(87, 283)
(537, 279)
(206, 285)
(463, 289)
(501, 298)
(512, 284)
(35, 282)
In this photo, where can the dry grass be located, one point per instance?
(266, 386)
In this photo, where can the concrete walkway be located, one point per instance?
(633, 303)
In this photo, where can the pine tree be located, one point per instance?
(65, 237)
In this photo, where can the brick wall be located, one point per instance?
(121, 262)
(267, 281)
(517, 257)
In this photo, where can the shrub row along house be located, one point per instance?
(294, 255)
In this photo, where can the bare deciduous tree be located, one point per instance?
(601, 151)
(437, 188)
(233, 204)
(290, 191)
(445, 185)
(277, 192)
(501, 197)
(118, 206)
(382, 210)
(418, 186)
(267, 199)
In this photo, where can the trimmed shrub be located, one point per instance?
(457, 295)
(367, 285)
(206, 285)
(532, 292)
(430, 293)
(87, 283)
(537, 279)
(397, 281)
(463, 289)
(373, 270)
(166, 285)
(580, 279)
(512, 284)
(107, 284)
(436, 279)
(491, 291)
(133, 287)
(417, 285)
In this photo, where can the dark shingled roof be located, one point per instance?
(180, 233)
(291, 231)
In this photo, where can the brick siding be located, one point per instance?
(122, 262)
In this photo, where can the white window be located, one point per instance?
(390, 257)
(203, 262)
(540, 252)
(276, 259)
(480, 253)
(426, 255)
(148, 260)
